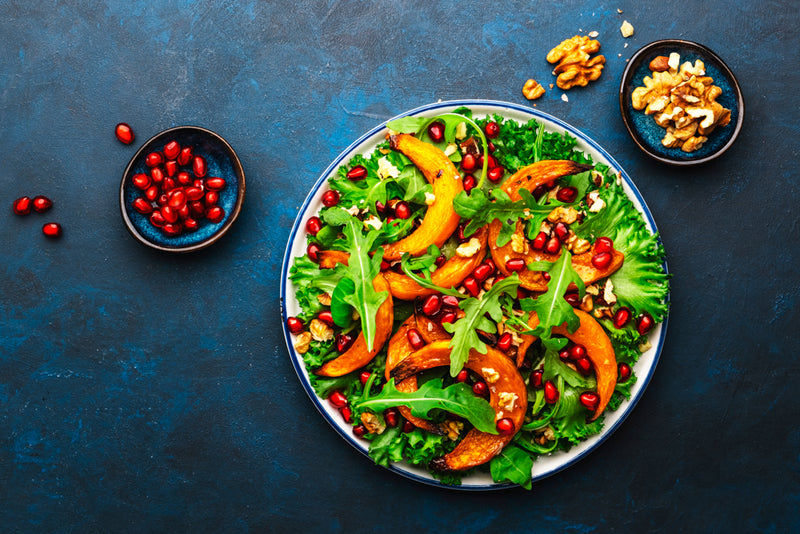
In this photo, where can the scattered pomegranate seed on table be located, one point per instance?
(41, 204)
(22, 206)
(52, 229)
(124, 133)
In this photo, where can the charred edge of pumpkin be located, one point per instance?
(539, 173)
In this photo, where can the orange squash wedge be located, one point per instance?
(329, 258)
(527, 339)
(540, 173)
(359, 355)
(440, 220)
(600, 352)
(504, 383)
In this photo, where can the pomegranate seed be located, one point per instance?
(392, 417)
(577, 351)
(215, 183)
(363, 377)
(402, 210)
(157, 175)
(215, 214)
(621, 317)
(515, 264)
(564, 355)
(505, 426)
(567, 194)
(347, 414)
(385, 265)
(408, 426)
(212, 197)
(171, 167)
(603, 244)
(504, 343)
(448, 317)
(52, 229)
(469, 162)
(197, 209)
(344, 341)
(462, 376)
(624, 372)
(170, 214)
(415, 339)
(185, 155)
(602, 260)
(522, 293)
(360, 431)
(491, 147)
(450, 301)
(177, 199)
(142, 206)
(338, 399)
(313, 251)
(154, 159)
(539, 241)
(22, 206)
(41, 204)
(536, 378)
(326, 317)
(162, 199)
(546, 276)
(359, 172)
(330, 198)
(495, 174)
(294, 325)
(553, 245)
(483, 271)
(199, 166)
(492, 129)
(469, 182)
(184, 212)
(432, 305)
(472, 286)
(193, 193)
(590, 400)
(573, 298)
(172, 149)
(562, 230)
(550, 392)
(314, 225)
(141, 181)
(172, 229)
(157, 220)
(436, 131)
(491, 161)
(644, 323)
(124, 133)
(190, 224)
(184, 178)
(168, 185)
(539, 191)
(460, 232)
(584, 365)
(440, 260)
(480, 388)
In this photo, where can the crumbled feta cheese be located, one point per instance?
(469, 249)
(608, 292)
(386, 169)
(593, 34)
(450, 149)
(626, 29)
(461, 130)
(353, 210)
(430, 198)
(490, 375)
(595, 202)
(374, 222)
(592, 289)
(564, 97)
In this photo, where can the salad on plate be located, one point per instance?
(473, 295)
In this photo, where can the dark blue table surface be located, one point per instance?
(145, 392)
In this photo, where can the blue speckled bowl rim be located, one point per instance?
(230, 218)
(297, 232)
(625, 91)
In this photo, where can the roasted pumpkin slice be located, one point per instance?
(329, 258)
(600, 352)
(440, 220)
(359, 355)
(527, 339)
(449, 275)
(540, 173)
(508, 397)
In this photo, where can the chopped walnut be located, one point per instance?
(469, 249)
(532, 89)
(302, 342)
(324, 299)
(490, 375)
(575, 66)
(374, 424)
(626, 29)
(567, 215)
(506, 400)
(452, 429)
(320, 331)
(518, 243)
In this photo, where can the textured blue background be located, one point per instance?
(143, 392)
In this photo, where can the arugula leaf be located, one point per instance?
(311, 281)
(513, 465)
(341, 311)
(424, 264)
(464, 332)
(457, 399)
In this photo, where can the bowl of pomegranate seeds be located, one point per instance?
(182, 190)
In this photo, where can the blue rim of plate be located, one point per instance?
(576, 453)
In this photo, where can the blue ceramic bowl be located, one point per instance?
(221, 161)
(643, 128)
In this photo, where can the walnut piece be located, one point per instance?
(532, 89)
(575, 66)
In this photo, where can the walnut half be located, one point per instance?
(574, 64)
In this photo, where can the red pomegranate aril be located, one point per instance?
(553, 245)
(562, 230)
(215, 183)
(313, 251)
(193, 193)
(22, 206)
(184, 212)
(539, 241)
(603, 244)
(483, 271)
(347, 414)
(480, 388)
(495, 174)
(170, 214)
(199, 166)
(154, 159)
(171, 167)
(644, 323)
(326, 317)
(157, 175)
(505, 341)
(359, 431)
(448, 317)
(314, 225)
(584, 366)
(515, 264)
(330, 198)
(168, 185)
(338, 399)
(469, 182)
(359, 172)
(602, 260)
(157, 219)
(197, 209)
(492, 129)
(567, 194)
(198, 183)
(546, 276)
(563, 354)
(189, 224)
(472, 286)
(573, 298)
(173, 229)
(462, 376)
(623, 372)
(491, 161)
(550, 392)
(505, 426)
(141, 205)
(124, 133)
(364, 377)
(177, 199)
(441, 260)
(589, 400)
(408, 426)
(577, 351)
(436, 131)
(295, 325)
(141, 181)
(41, 204)
(172, 150)
(491, 146)
(215, 214)
(460, 233)
(539, 191)
(402, 210)
(212, 197)
(432, 305)
(185, 155)
(469, 162)
(415, 339)
(52, 229)
(344, 341)
(162, 199)
(621, 317)
(392, 417)
(536, 378)
(184, 178)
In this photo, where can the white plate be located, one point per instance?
(545, 465)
